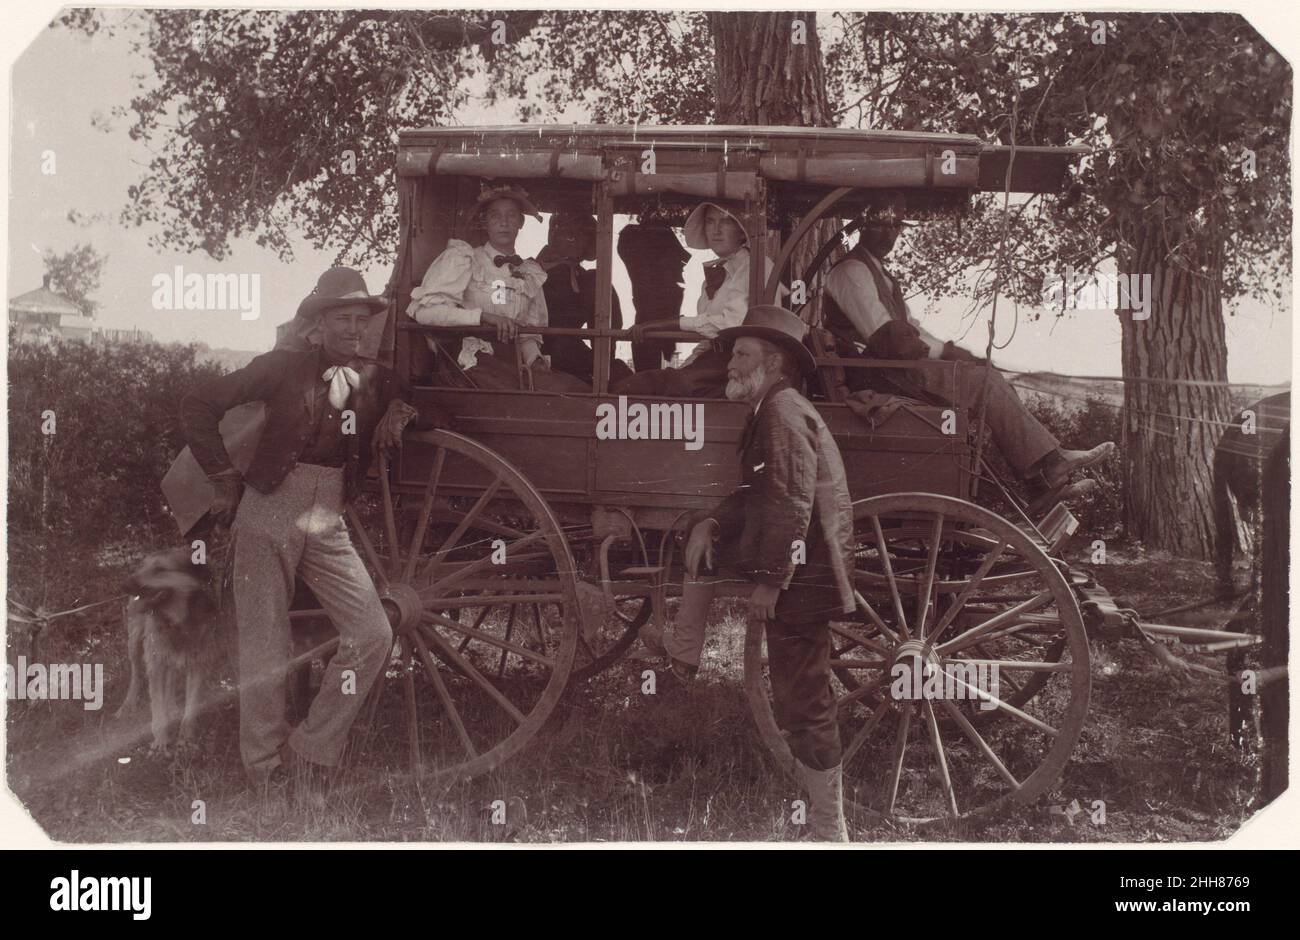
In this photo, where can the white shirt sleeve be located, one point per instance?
(727, 308)
(851, 285)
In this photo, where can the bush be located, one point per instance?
(116, 429)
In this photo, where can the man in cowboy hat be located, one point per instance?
(793, 492)
(722, 304)
(327, 411)
(865, 306)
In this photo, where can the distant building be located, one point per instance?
(42, 316)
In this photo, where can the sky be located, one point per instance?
(62, 81)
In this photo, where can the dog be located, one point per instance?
(174, 640)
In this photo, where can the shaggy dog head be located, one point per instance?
(171, 586)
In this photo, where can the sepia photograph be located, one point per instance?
(647, 427)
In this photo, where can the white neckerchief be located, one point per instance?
(342, 379)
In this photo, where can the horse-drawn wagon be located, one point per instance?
(522, 551)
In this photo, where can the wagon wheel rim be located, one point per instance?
(482, 594)
(927, 759)
(607, 632)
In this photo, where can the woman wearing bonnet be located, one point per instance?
(492, 286)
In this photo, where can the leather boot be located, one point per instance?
(825, 802)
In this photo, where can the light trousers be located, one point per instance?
(298, 530)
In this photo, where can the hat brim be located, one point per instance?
(694, 227)
(803, 358)
(523, 202)
(313, 306)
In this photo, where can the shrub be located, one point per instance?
(116, 425)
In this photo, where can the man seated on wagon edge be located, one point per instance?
(491, 285)
(862, 298)
(723, 303)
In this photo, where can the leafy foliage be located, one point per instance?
(75, 274)
(117, 429)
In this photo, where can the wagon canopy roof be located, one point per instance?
(805, 156)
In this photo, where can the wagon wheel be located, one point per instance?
(601, 645)
(915, 758)
(481, 592)
(608, 631)
(964, 551)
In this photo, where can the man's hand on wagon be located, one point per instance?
(506, 327)
(699, 547)
(388, 433)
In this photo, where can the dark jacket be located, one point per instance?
(287, 381)
(793, 487)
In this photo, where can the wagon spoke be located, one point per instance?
(390, 523)
(859, 639)
(971, 636)
(975, 738)
(874, 617)
(426, 510)
(900, 750)
(862, 691)
(971, 586)
(481, 564)
(927, 584)
(865, 732)
(466, 667)
(936, 743)
(1008, 708)
(412, 721)
(505, 650)
(444, 696)
(470, 516)
(368, 549)
(889, 575)
(472, 633)
(979, 648)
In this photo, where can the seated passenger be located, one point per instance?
(722, 304)
(655, 260)
(571, 295)
(491, 285)
(865, 306)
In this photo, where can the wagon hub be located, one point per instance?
(914, 660)
(403, 606)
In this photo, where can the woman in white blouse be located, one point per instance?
(492, 286)
(723, 303)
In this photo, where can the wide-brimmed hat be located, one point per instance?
(337, 287)
(776, 325)
(513, 193)
(889, 208)
(694, 228)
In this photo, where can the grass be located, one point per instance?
(613, 764)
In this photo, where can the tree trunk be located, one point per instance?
(769, 70)
(764, 75)
(1176, 401)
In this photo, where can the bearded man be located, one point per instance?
(793, 490)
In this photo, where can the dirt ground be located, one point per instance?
(616, 765)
